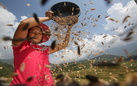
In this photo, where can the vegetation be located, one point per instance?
(5, 72)
(5, 69)
(78, 70)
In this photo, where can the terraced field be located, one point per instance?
(106, 73)
(78, 71)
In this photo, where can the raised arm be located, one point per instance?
(22, 34)
(62, 45)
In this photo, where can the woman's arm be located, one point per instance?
(62, 45)
(22, 34)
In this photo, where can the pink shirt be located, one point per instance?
(31, 64)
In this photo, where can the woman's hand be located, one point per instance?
(49, 14)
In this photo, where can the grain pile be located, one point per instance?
(62, 25)
(68, 20)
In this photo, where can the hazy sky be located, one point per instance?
(100, 23)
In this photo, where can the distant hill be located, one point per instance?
(132, 55)
(8, 61)
(134, 52)
(101, 57)
(120, 49)
(6, 69)
(106, 56)
(87, 61)
(79, 65)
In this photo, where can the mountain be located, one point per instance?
(85, 64)
(134, 52)
(106, 56)
(132, 55)
(8, 61)
(120, 50)
(100, 57)
(6, 70)
(91, 60)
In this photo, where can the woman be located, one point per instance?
(30, 59)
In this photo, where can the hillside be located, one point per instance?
(132, 55)
(8, 61)
(106, 57)
(78, 70)
(101, 57)
(130, 48)
(84, 64)
(5, 69)
(111, 73)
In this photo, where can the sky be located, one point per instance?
(101, 25)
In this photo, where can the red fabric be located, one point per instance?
(44, 28)
(30, 61)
